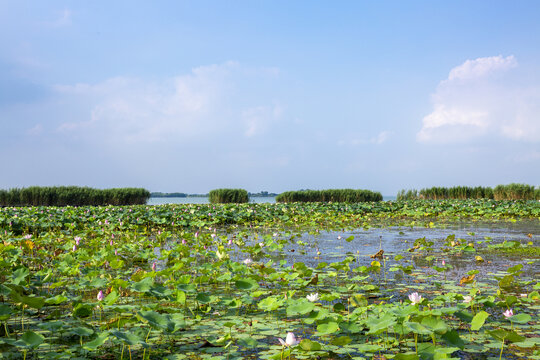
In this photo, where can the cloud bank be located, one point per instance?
(481, 99)
(205, 102)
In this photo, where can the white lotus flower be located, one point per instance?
(290, 340)
(248, 261)
(415, 298)
(313, 297)
(467, 299)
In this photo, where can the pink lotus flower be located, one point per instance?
(100, 295)
(77, 240)
(74, 247)
(443, 263)
(508, 313)
(154, 266)
(115, 252)
(290, 340)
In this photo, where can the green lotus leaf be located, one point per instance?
(327, 328)
(31, 339)
(300, 307)
(478, 320)
(308, 345)
(246, 284)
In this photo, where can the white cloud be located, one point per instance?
(480, 98)
(131, 110)
(481, 67)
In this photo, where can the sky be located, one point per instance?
(189, 96)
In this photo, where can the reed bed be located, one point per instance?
(72, 196)
(516, 192)
(332, 195)
(226, 196)
(500, 192)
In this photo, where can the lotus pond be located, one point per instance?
(388, 280)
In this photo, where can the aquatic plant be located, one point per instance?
(73, 196)
(334, 195)
(224, 196)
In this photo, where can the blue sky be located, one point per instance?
(269, 95)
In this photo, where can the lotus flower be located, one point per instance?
(467, 299)
(154, 266)
(443, 263)
(77, 240)
(100, 295)
(313, 297)
(508, 313)
(290, 340)
(415, 298)
(74, 247)
(248, 261)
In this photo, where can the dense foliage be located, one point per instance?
(516, 192)
(332, 195)
(500, 192)
(226, 196)
(328, 215)
(72, 195)
(226, 281)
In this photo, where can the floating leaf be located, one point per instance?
(521, 318)
(246, 284)
(327, 328)
(300, 307)
(340, 341)
(308, 345)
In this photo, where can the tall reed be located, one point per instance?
(500, 192)
(72, 195)
(331, 195)
(223, 196)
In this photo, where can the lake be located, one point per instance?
(204, 200)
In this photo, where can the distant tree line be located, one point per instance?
(72, 195)
(500, 192)
(332, 195)
(168, 195)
